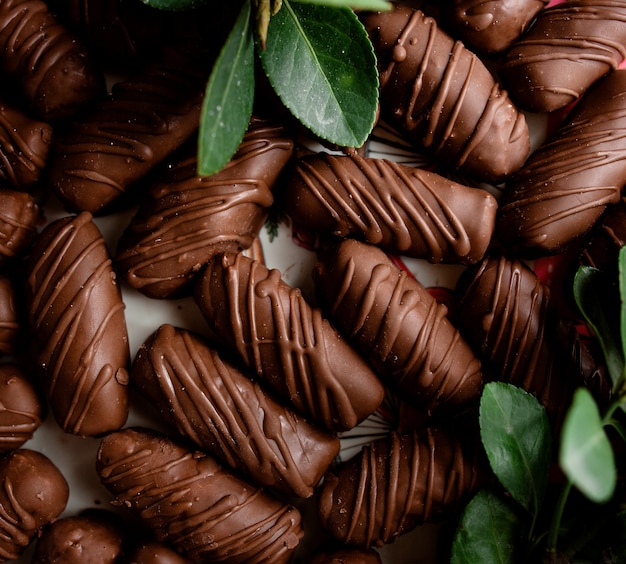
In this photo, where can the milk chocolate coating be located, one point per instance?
(21, 408)
(190, 501)
(208, 399)
(156, 553)
(566, 184)
(33, 493)
(398, 327)
(186, 219)
(402, 209)
(286, 342)
(347, 556)
(507, 315)
(92, 538)
(12, 325)
(569, 47)
(443, 97)
(77, 318)
(491, 26)
(18, 224)
(24, 146)
(395, 484)
(52, 67)
(146, 118)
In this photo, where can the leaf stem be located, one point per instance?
(555, 526)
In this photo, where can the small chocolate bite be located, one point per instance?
(94, 537)
(402, 209)
(186, 219)
(24, 146)
(208, 399)
(51, 65)
(570, 46)
(398, 327)
(396, 483)
(156, 553)
(444, 98)
(21, 408)
(146, 118)
(76, 315)
(19, 214)
(286, 342)
(33, 493)
(347, 556)
(187, 499)
(566, 184)
(13, 325)
(491, 26)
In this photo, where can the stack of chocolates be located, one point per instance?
(223, 439)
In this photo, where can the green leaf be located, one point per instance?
(586, 456)
(597, 296)
(488, 531)
(515, 432)
(229, 98)
(175, 5)
(373, 5)
(321, 63)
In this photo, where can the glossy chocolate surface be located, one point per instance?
(444, 98)
(13, 325)
(402, 209)
(190, 501)
(566, 184)
(19, 214)
(76, 315)
(286, 342)
(156, 553)
(398, 327)
(186, 219)
(210, 400)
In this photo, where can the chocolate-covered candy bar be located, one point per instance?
(190, 501)
(146, 117)
(33, 493)
(24, 146)
(286, 342)
(444, 98)
(402, 209)
(12, 324)
(186, 219)
(22, 408)
(208, 398)
(570, 46)
(77, 318)
(90, 537)
(491, 26)
(156, 553)
(398, 327)
(567, 182)
(18, 224)
(396, 483)
(51, 66)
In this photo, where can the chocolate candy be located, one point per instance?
(79, 539)
(398, 327)
(76, 315)
(396, 483)
(146, 118)
(22, 409)
(52, 67)
(12, 326)
(347, 556)
(33, 493)
(443, 97)
(208, 399)
(507, 315)
(491, 26)
(402, 209)
(566, 184)
(286, 342)
(18, 224)
(156, 553)
(24, 146)
(186, 219)
(189, 500)
(570, 46)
